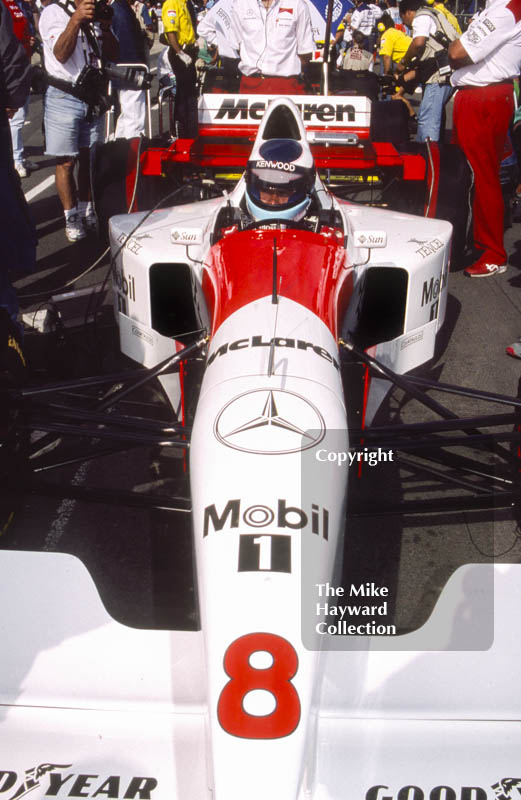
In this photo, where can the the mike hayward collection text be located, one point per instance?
(353, 618)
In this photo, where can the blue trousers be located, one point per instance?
(431, 110)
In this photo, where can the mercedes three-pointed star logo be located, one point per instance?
(270, 422)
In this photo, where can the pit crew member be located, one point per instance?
(426, 23)
(274, 41)
(70, 43)
(215, 27)
(393, 43)
(364, 18)
(486, 59)
(179, 30)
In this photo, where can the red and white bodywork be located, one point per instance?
(243, 707)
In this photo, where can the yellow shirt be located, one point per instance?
(394, 43)
(452, 19)
(176, 18)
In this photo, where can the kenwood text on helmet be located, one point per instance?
(279, 180)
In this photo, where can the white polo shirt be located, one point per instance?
(364, 17)
(215, 27)
(53, 22)
(493, 42)
(270, 41)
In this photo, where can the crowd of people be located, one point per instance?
(270, 44)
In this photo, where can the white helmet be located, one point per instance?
(279, 180)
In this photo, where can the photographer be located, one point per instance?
(431, 35)
(71, 41)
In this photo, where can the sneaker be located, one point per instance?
(514, 349)
(482, 270)
(74, 230)
(89, 222)
(30, 165)
(21, 170)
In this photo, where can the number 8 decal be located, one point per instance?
(245, 678)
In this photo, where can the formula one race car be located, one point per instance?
(306, 308)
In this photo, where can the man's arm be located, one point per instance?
(386, 52)
(171, 38)
(66, 42)
(304, 31)
(458, 56)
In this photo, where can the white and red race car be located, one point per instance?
(295, 686)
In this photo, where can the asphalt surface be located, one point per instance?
(130, 551)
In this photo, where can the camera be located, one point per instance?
(442, 62)
(127, 77)
(442, 39)
(91, 85)
(102, 11)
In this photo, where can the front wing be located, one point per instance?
(92, 708)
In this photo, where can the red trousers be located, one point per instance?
(481, 119)
(274, 85)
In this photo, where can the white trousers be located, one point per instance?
(131, 121)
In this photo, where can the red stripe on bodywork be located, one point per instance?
(130, 180)
(433, 180)
(310, 270)
(367, 384)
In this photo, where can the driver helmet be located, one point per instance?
(279, 180)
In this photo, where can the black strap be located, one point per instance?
(65, 86)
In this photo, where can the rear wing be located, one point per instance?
(338, 129)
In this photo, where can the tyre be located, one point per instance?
(445, 193)
(116, 184)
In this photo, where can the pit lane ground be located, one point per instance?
(141, 561)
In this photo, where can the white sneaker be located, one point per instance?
(21, 170)
(74, 230)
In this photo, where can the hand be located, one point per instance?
(85, 11)
(185, 58)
